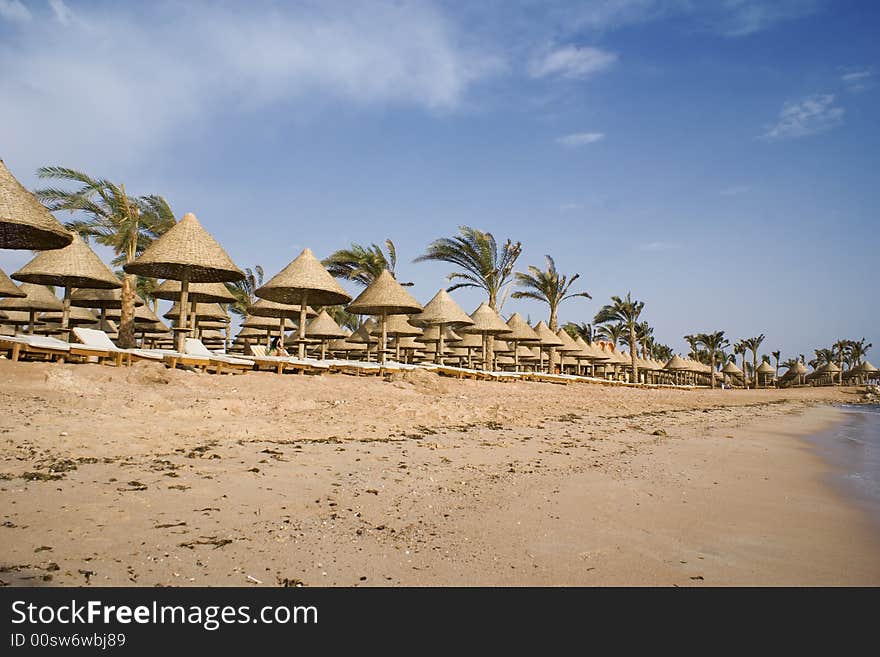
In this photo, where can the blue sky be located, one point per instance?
(719, 160)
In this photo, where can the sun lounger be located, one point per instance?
(94, 342)
(41, 345)
(198, 355)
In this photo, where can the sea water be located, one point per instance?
(853, 448)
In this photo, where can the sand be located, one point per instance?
(146, 476)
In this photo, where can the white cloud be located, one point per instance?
(14, 11)
(658, 246)
(857, 80)
(735, 190)
(570, 62)
(566, 207)
(580, 139)
(808, 116)
(62, 12)
(111, 78)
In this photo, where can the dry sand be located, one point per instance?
(147, 476)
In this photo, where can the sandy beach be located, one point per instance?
(146, 476)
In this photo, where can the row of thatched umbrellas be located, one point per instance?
(194, 267)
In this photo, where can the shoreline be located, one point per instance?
(144, 476)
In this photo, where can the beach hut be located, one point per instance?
(186, 253)
(441, 312)
(324, 328)
(486, 323)
(304, 281)
(73, 266)
(24, 222)
(679, 368)
(384, 297)
(36, 299)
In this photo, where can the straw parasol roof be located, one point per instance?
(677, 363)
(399, 326)
(8, 288)
(142, 315)
(17, 318)
(198, 292)
(432, 334)
(203, 311)
(520, 330)
(502, 347)
(97, 298)
(864, 367)
(547, 337)
(766, 368)
(24, 222)
(384, 296)
(324, 327)
(731, 368)
(486, 321)
(568, 343)
(75, 265)
(305, 274)
(364, 333)
(470, 341)
(37, 298)
(442, 309)
(77, 316)
(266, 324)
(266, 308)
(186, 252)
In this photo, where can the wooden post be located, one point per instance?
(302, 324)
(181, 320)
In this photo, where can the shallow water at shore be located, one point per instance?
(853, 448)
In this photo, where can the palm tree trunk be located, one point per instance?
(126, 316)
(632, 355)
(551, 352)
(712, 373)
(755, 367)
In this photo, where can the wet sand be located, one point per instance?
(146, 476)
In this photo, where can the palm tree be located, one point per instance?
(362, 264)
(777, 355)
(627, 312)
(243, 290)
(550, 287)
(753, 344)
(344, 318)
(644, 333)
(858, 349)
(478, 256)
(582, 330)
(823, 357)
(841, 349)
(613, 333)
(741, 348)
(662, 352)
(693, 341)
(714, 342)
(126, 224)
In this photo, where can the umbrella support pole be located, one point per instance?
(65, 316)
(302, 326)
(384, 340)
(181, 320)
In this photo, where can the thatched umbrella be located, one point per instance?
(24, 222)
(398, 327)
(441, 311)
(76, 317)
(677, 365)
(547, 338)
(304, 281)
(731, 370)
(486, 322)
(765, 369)
(323, 327)
(186, 253)
(37, 298)
(18, 318)
(468, 343)
(520, 333)
(281, 311)
(383, 297)
(8, 288)
(74, 266)
(569, 347)
(198, 293)
(103, 300)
